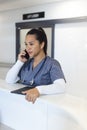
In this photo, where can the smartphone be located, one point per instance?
(26, 55)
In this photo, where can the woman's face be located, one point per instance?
(33, 46)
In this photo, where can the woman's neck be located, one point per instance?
(38, 59)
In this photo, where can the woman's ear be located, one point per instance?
(42, 45)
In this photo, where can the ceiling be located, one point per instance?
(14, 4)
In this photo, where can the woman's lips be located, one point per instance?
(30, 53)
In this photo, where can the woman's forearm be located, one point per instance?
(12, 75)
(57, 87)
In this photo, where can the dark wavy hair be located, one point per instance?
(40, 36)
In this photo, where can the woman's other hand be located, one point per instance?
(31, 94)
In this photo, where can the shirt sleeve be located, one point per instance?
(12, 75)
(58, 86)
(56, 71)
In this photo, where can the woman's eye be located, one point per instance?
(25, 44)
(31, 44)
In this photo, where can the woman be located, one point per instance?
(39, 71)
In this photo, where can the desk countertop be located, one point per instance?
(74, 106)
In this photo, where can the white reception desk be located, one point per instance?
(49, 112)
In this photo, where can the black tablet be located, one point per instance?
(20, 90)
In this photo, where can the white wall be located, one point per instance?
(70, 39)
(8, 19)
(71, 51)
